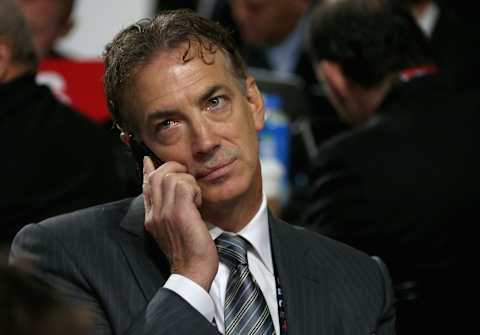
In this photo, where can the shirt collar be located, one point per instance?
(284, 56)
(256, 232)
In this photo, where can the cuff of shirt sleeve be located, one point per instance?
(193, 293)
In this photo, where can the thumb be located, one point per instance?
(148, 168)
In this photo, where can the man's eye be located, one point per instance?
(167, 124)
(215, 103)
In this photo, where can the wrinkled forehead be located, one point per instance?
(184, 68)
(186, 53)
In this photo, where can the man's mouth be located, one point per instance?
(216, 171)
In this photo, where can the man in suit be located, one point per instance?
(179, 92)
(40, 136)
(273, 34)
(49, 21)
(404, 182)
(454, 37)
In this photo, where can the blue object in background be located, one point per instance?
(275, 148)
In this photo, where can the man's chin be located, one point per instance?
(220, 192)
(217, 196)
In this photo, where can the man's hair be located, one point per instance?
(368, 38)
(14, 30)
(138, 44)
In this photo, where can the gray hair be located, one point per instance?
(136, 45)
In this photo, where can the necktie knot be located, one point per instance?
(232, 250)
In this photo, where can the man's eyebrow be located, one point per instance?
(164, 114)
(209, 92)
(161, 114)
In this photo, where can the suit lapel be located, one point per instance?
(146, 261)
(301, 280)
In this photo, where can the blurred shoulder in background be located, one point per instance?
(55, 159)
(30, 306)
(404, 182)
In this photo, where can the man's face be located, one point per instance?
(47, 21)
(197, 114)
(266, 22)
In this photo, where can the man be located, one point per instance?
(54, 160)
(76, 83)
(404, 182)
(49, 21)
(273, 34)
(179, 91)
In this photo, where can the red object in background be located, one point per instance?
(78, 83)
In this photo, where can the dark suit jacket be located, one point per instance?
(454, 42)
(103, 258)
(404, 187)
(54, 160)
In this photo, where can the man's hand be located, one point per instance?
(172, 197)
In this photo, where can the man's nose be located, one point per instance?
(205, 139)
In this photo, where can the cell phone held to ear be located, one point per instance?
(140, 150)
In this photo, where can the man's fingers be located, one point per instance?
(198, 196)
(148, 168)
(156, 183)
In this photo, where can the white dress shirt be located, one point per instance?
(429, 19)
(260, 263)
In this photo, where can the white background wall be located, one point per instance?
(97, 22)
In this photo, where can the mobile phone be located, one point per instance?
(140, 150)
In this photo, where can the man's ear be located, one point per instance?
(255, 101)
(333, 76)
(125, 137)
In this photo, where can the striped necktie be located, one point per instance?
(246, 311)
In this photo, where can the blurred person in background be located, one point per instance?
(272, 32)
(49, 21)
(454, 34)
(54, 159)
(404, 182)
(271, 35)
(29, 306)
(70, 78)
